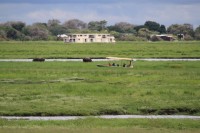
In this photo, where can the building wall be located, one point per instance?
(87, 38)
(166, 37)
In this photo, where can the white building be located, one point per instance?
(88, 38)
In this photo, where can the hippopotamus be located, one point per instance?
(87, 60)
(39, 59)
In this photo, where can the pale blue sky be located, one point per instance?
(165, 12)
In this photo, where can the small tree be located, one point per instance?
(197, 33)
(162, 29)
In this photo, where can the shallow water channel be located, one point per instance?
(102, 116)
(80, 60)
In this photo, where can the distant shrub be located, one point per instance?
(188, 38)
(131, 37)
(156, 38)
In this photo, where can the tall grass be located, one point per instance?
(57, 49)
(76, 88)
(101, 125)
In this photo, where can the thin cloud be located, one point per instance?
(61, 1)
(101, 1)
(132, 11)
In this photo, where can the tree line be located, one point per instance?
(124, 31)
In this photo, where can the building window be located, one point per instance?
(91, 36)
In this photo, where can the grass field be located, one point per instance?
(77, 88)
(101, 125)
(58, 49)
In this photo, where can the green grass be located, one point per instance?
(58, 49)
(101, 125)
(77, 88)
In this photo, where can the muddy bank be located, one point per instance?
(170, 111)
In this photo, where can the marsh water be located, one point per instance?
(102, 116)
(95, 60)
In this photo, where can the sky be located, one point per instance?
(136, 12)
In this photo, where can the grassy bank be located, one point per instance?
(101, 125)
(77, 88)
(58, 49)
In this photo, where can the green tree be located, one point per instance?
(59, 29)
(115, 34)
(12, 33)
(186, 29)
(2, 35)
(97, 25)
(137, 28)
(36, 32)
(56, 28)
(145, 33)
(162, 29)
(40, 25)
(75, 24)
(175, 29)
(122, 27)
(53, 22)
(18, 25)
(197, 33)
(153, 26)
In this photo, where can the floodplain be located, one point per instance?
(83, 89)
